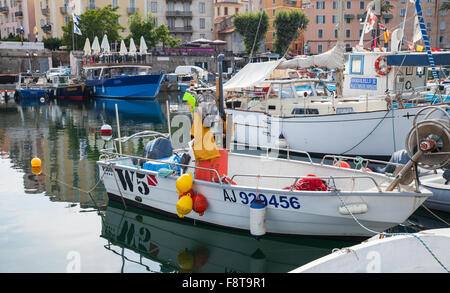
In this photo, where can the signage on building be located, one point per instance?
(22, 46)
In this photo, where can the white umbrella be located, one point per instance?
(87, 47)
(143, 46)
(105, 45)
(123, 48)
(95, 46)
(202, 41)
(133, 49)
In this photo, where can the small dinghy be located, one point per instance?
(212, 185)
(422, 252)
(439, 184)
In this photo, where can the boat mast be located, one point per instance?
(340, 41)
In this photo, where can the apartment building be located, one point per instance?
(15, 14)
(272, 7)
(437, 22)
(186, 19)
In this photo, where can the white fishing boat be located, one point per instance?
(422, 252)
(273, 195)
(438, 184)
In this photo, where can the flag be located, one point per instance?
(372, 20)
(37, 37)
(419, 48)
(76, 30)
(417, 32)
(76, 18)
(410, 45)
(386, 35)
(382, 27)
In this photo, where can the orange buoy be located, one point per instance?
(36, 162)
(342, 164)
(200, 204)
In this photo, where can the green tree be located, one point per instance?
(94, 22)
(52, 43)
(146, 27)
(445, 6)
(252, 27)
(287, 25)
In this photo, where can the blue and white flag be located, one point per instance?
(76, 18)
(76, 30)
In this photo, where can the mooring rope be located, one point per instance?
(391, 234)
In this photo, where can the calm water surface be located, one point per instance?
(48, 223)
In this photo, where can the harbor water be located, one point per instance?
(61, 221)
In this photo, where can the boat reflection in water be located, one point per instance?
(178, 246)
(147, 111)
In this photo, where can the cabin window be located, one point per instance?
(303, 111)
(357, 64)
(343, 110)
(286, 92)
(272, 107)
(420, 71)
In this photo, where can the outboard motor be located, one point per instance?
(399, 157)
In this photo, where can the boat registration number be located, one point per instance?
(276, 201)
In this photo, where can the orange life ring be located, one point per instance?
(386, 69)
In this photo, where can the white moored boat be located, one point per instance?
(423, 252)
(336, 202)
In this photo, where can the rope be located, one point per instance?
(368, 134)
(439, 218)
(391, 234)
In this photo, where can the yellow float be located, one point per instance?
(184, 183)
(36, 162)
(184, 206)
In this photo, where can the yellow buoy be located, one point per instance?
(184, 206)
(185, 260)
(184, 183)
(36, 162)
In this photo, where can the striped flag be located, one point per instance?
(76, 30)
(151, 179)
(76, 18)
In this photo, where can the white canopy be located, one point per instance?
(331, 59)
(143, 46)
(95, 46)
(87, 47)
(133, 49)
(251, 75)
(105, 45)
(123, 48)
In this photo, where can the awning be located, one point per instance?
(418, 59)
(351, 16)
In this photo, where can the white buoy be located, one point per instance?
(106, 132)
(281, 142)
(258, 218)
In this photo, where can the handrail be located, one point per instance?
(275, 148)
(309, 177)
(146, 133)
(109, 152)
(362, 159)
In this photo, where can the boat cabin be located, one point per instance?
(105, 71)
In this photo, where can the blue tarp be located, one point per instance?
(418, 59)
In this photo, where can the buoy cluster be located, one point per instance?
(188, 199)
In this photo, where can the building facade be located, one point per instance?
(15, 14)
(272, 7)
(186, 19)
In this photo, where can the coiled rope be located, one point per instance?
(390, 234)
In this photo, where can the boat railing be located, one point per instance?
(297, 178)
(268, 149)
(142, 134)
(111, 152)
(363, 162)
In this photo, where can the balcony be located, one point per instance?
(179, 14)
(45, 11)
(18, 14)
(132, 10)
(64, 10)
(4, 9)
(181, 29)
(46, 28)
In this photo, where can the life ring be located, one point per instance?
(408, 85)
(385, 69)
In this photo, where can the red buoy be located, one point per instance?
(342, 164)
(188, 193)
(106, 132)
(200, 204)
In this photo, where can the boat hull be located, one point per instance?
(72, 92)
(299, 212)
(31, 93)
(371, 134)
(127, 87)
